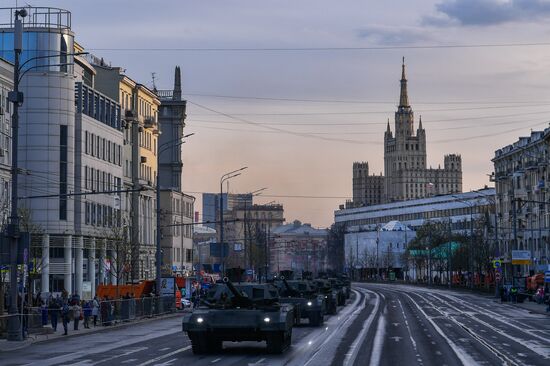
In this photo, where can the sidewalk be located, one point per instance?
(46, 333)
(530, 306)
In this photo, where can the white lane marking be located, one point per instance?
(378, 343)
(129, 360)
(340, 326)
(352, 356)
(407, 324)
(395, 324)
(257, 363)
(465, 358)
(128, 352)
(216, 360)
(167, 363)
(538, 349)
(165, 349)
(154, 360)
(396, 338)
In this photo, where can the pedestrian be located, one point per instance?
(95, 309)
(54, 312)
(44, 311)
(77, 313)
(65, 314)
(87, 310)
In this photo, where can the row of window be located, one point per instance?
(186, 231)
(183, 256)
(102, 148)
(99, 181)
(146, 173)
(102, 215)
(97, 106)
(147, 141)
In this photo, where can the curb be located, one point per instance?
(29, 342)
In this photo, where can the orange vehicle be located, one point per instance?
(117, 291)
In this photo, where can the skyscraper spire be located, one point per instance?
(177, 84)
(388, 129)
(404, 97)
(420, 123)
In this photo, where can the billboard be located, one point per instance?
(521, 257)
(167, 286)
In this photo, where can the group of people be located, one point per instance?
(69, 309)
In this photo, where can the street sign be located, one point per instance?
(498, 276)
(497, 263)
(521, 257)
(547, 276)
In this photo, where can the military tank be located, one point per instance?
(331, 296)
(308, 302)
(339, 287)
(242, 312)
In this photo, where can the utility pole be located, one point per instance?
(450, 254)
(515, 228)
(15, 97)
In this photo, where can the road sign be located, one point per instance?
(497, 263)
(521, 257)
(498, 276)
(547, 276)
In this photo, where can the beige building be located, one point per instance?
(140, 113)
(406, 173)
(521, 180)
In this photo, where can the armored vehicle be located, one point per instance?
(243, 312)
(331, 296)
(347, 284)
(340, 289)
(307, 301)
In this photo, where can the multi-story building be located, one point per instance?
(140, 110)
(298, 247)
(458, 208)
(406, 175)
(6, 85)
(367, 189)
(203, 238)
(177, 208)
(211, 205)
(521, 179)
(247, 229)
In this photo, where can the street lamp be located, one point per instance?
(225, 177)
(162, 148)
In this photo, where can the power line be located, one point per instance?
(320, 49)
(286, 196)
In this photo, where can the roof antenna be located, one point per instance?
(154, 77)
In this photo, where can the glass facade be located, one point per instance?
(47, 51)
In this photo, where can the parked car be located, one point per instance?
(185, 303)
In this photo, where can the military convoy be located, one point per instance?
(247, 311)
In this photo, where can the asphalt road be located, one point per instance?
(381, 325)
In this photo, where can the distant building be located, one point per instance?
(211, 204)
(406, 175)
(522, 175)
(203, 238)
(6, 85)
(298, 247)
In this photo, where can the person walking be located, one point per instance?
(77, 313)
(54, 312)
(95, 309)
(65, 314)
(87, 310)
(44, 313)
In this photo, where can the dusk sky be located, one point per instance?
(306, 115)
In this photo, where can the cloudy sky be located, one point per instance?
(299, 90)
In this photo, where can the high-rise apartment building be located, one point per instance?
(406, 172)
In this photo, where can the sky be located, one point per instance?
(299, 90)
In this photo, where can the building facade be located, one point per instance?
(458, 209)
(522, 177)
(298, 247)
(406, 172)
(6, 85)
(211, 205)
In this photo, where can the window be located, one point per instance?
(63, 153)
(92, 144)
(86, 142)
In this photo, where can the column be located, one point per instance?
(78, 265)
(45, 282)
(113, 267)
(102, 256)
(68, 256)
(91, 266)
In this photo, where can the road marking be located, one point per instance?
(167, 363)
(257, 362)
(129, 360)
(396, 338)
(128, 352)
(376, 353)
(154, 360)
(395, 324)
(216, 360)
(165, 349)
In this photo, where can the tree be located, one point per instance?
(335, 247)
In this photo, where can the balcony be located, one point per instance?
(149, 122)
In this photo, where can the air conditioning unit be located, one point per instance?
(143, 159)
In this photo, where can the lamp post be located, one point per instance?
(15, 97)
(223, 178)
(162, 148)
